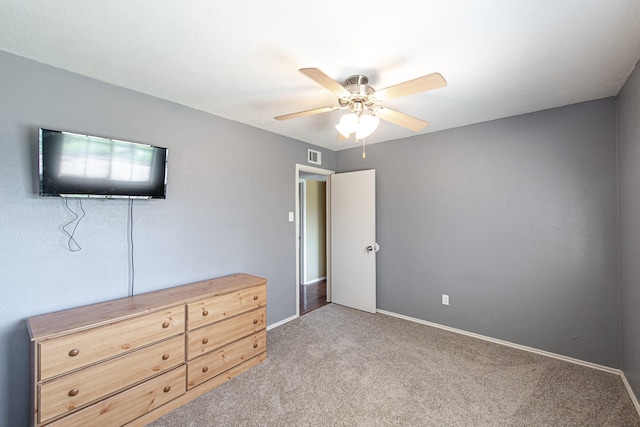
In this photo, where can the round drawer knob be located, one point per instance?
(255, 345)
(205, 369)
(255, 321)
(73, 392)
(206, 340)
(255, 298)
(74, 352)
(165, 357)
(205, 312)
(165, 325)
(167, 389)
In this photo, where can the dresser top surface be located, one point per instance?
(75, 319)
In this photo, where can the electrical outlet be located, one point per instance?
(290, 216)
(445, 299)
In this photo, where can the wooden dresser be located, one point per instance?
(131, 360)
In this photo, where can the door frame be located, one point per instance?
(327, 173)
(301, 224)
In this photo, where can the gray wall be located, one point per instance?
(230, 187)
(514, 219)
(629, 188)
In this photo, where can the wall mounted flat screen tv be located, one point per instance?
(74, 165)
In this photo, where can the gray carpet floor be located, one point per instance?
(341, 367)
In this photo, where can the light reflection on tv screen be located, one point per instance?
(97, 158)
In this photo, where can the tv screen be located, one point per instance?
(74, 165)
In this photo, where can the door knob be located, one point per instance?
(372, 248)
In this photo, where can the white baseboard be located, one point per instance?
(506, 343)
(632, 395)
(282, 322)
(319, 279)
(615, 371)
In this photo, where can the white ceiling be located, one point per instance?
(239, 59)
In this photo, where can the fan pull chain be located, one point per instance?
(364, 155)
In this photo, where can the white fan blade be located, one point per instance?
(401, 119)
(421, 84)
(306, 113)
(323, 80)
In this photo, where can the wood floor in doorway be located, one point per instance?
(313, 296)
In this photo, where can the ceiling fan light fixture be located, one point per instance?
(344, 131)
(367, 125)
(362, 124)
(349, 121)
(348, 124)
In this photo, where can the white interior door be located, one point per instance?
(353, 239)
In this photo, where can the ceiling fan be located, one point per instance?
(364, 103)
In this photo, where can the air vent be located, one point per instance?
(314, 157)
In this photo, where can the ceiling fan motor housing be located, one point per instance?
(360, 96)
(356, 79)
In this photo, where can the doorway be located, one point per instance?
(313, 288)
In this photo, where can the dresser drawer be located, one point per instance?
(64, 354)
(123, 361)
(131, 403)
(211, 364)
(220, 307)
(84, 386)
(216, 335)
